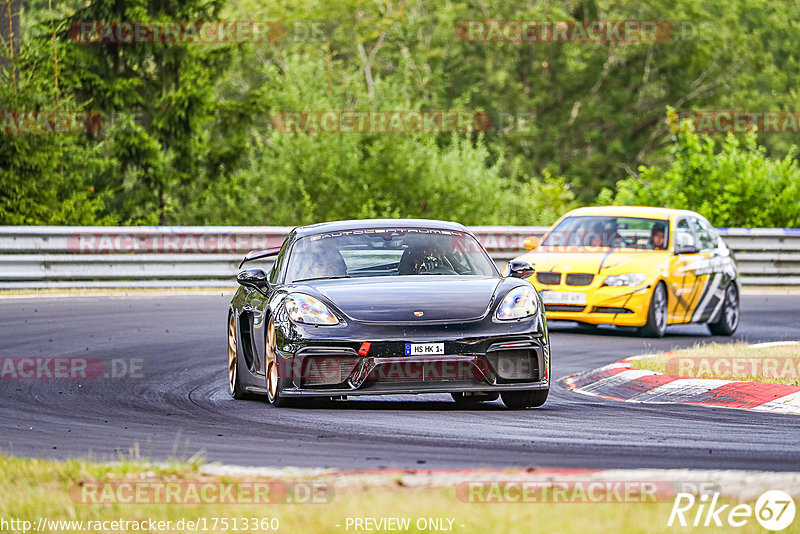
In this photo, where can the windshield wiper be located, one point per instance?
(611, 249)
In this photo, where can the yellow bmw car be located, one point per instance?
(636, 266)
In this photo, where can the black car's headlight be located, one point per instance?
(519, 303)
(309, 310)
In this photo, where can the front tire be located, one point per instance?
(729, 314)
(656, 323)
(275, 384)
(518, 400)
(235, 387)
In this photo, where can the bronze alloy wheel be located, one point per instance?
(231, 354)
(271, 363)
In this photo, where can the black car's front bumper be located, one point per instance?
(318, 362)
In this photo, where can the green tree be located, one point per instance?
(294, 178)
(733, 184)
(593, 111)
(189, 137)
(45, 178)
(162, 104)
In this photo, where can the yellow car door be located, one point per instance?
(687, 273)
(712, 271)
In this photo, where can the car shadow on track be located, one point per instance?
(388, 402)
(421, 405)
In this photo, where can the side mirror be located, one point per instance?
(256, 278)
(531, 242)
(520, 269)
(686, 249)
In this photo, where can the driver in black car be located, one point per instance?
(421, 258)
(323, 262)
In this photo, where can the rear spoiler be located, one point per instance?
(260, 253)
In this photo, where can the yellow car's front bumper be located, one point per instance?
(623, 306)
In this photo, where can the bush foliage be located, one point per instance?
(733, 183)
(189, 138)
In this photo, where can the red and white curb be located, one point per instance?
(621, 381)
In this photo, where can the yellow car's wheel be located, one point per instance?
(729, 314)
(656, 323)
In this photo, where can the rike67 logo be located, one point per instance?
(774, 510)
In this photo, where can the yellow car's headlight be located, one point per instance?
(520, 302)
(625, 280)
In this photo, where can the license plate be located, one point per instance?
(563, 297)
(424, 349)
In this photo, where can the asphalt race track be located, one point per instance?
(179, 406)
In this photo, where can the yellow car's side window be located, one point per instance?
(684, 236)
(705, 235)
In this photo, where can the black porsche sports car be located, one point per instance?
(377, 307)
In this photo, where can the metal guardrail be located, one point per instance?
(766, 256)
(208, 256)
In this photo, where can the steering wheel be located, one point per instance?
(439, 269)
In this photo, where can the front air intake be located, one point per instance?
(549, 278)
(563, 308)
(326, 370)
(515, 364)
(608, 309)
(579, 279)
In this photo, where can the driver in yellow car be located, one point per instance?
(657, 237)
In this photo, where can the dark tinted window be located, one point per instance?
(279, 260)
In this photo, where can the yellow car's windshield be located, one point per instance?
(607, 232)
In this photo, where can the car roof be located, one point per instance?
(631, 211)
(362, 224)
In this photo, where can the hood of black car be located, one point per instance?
(416, 298)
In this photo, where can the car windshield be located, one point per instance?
(607, 232)
(388, 252)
